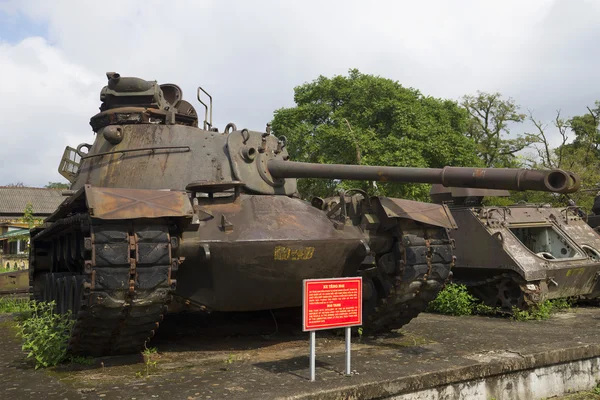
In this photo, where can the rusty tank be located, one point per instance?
(161, 208)
(520, 255)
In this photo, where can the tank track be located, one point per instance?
(502, 290)
(116, 279)
(407, 278)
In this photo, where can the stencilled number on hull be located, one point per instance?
(285, 253)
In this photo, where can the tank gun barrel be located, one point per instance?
(485, 178)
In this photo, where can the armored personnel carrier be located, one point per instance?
(520, 255)
(160, 207)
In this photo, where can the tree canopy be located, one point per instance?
(578, 153)
(370, 120)
(57, 185)
(490, 120)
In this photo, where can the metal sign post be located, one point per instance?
(348, 344)
(329, 304)
(312, 355)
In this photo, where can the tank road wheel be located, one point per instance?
(69, 294)
(60, 295)
(53, 289)
(407, 278)
(46, 288)
(370, 297)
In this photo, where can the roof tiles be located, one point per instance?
(13, 200)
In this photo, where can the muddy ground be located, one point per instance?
(265, 356)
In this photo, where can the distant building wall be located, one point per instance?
(14, 261)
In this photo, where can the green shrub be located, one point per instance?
(454, 299)
(45, 334)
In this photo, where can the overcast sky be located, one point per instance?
(251, 54)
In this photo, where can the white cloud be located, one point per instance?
(250, 55)
(45, 101)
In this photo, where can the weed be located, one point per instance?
(228, 361)
(454, 299)
(149, 358)
(596, 389)
(14, 305)
(45, 334)
(360, 333)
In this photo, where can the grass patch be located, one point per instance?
(14, 305)
(45, 333)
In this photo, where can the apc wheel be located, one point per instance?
(510, 295)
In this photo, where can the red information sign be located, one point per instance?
(332, 303)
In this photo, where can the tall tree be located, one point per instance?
(579, 156)
(547, 156)
(31, 221)
(371, 120)
(586, 128)
(489, 126)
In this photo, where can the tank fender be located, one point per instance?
(427, 213)
(121, 203)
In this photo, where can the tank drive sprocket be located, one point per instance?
(116, 279)
(407, 278)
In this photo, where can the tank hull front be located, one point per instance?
(254, 253)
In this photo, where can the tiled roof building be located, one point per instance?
(13, 201)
